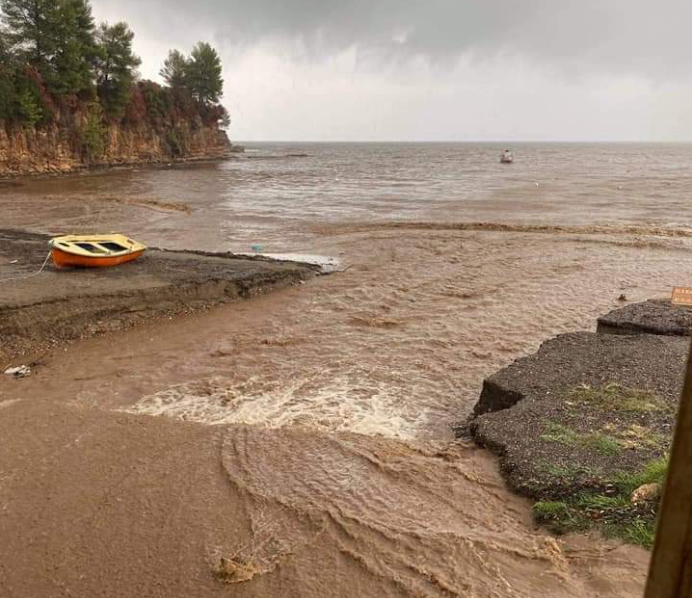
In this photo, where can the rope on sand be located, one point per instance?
(45, 263)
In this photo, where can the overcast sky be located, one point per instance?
(462, 70)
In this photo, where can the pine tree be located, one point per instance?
(175, 69)
(52, 56)
(204, 74)
(85, 33)
(28, 108)
(7, 73)
(65, 71)
(116, 67)
(56, 37)
(31, 28)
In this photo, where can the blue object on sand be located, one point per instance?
(257, 248)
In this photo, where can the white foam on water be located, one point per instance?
(9, 403)
(336, 405)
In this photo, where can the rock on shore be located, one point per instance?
(622, 390)
(657, 316)
(584, 423)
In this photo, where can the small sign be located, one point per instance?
(682, 296)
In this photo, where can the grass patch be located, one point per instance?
(595, 441)
(602, 443)
(653, 473)
(610, 510)
(559, 517)
(559, 433)
(641, 532)
(567, 471)
(547, 510)
(601, 502)
(640, 436)
(616, 397)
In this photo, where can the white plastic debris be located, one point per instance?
(327, 265)
(19, 372)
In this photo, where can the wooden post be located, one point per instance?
(671, 564)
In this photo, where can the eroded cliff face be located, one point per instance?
(63, 149)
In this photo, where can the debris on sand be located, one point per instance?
(235, 570)
(22, 371)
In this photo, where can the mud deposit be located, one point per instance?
(306, 447)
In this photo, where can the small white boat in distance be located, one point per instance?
(506, 157)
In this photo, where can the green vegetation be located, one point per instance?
(597, 441)
(115, 67)
(54, 38)
(200, 73)
(175, 70)
(55, 61)
(602, 502)
(639, 531)
(640, 436)
(204, 75)
(93, 134)
(567, 471)
(611, 510)
(588, 472)
(28, 107)
(176, 142)
(653, 473)
(615, 397)
(560, 517)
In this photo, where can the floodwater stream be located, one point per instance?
(334, 403)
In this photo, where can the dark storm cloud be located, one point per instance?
(633, 35)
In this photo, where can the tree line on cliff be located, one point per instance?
(56, 61)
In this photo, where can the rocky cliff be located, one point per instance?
(61, 148)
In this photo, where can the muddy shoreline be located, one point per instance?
(10, 178)
(39, 312)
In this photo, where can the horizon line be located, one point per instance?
(491, 141)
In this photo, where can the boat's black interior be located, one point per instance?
(102, 247)
(113, 246)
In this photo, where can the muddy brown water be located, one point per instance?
(319, 419)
